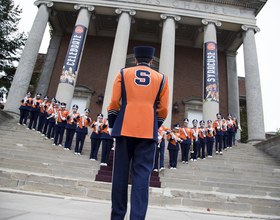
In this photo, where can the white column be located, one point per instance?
(28, 58)
(210, 108)
(47, 69)
(167, 57)
(233, 91)
(65, 91)
(119, 53)
(255, 119)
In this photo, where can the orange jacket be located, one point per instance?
(73, 120)
(188, 132)
(62, 114)
(171, 140)
(44, 107)
(145, 98)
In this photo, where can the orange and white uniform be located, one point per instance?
(144, 95)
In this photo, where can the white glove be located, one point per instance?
(110, 130)
(53, 114)
(63, 118)
(106, 123)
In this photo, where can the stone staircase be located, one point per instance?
(244, 180)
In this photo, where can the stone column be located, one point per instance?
(66, 87)
(233, 91)
(210, 108)
(167, 57)
(255, 119)
(47, 69)
(28, 58)
(119, 53)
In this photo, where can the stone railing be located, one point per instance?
(271, 146)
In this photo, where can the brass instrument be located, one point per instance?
(25, 100)
(191, 147)
(176, 138)
(211, 131)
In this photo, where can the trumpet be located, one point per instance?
(191, 147)
(25, 100)
(211, 131)
(176, 138)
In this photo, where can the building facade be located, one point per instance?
(195, 40)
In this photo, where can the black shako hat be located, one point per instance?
(144, 52)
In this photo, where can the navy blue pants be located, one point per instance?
(23, 116)
(41, 122)
(195, 149)
(69, 138)
(142, 153)
(51, 130)
(173, 157)
(80, 139)
(59, 132)
(210, 148)
(219, 141)
(185, 150)
(230, 138)
(201, 149)
(46, 125)
(33, 119)
(95, 144)
(160, 155)
(225, 141)
(106, 149)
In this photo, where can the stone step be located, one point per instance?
(87, 188)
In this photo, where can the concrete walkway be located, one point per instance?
(16, 205)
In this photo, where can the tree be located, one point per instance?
(11, 43)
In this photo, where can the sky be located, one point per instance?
(268, 20)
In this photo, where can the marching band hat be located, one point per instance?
(46, 97)
(75, 106)
(63, 104)
(202, 122)
(87, 110)
(38, 94)
(144, 52)
(229, 115)
(100, 115)
(186, 120)
(29, 93)
(218, 114)
(209, 121)
(223, 118)
(195, 120)
(54, 99)
(57, 102)
(176, 126)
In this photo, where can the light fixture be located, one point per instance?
(100, 99)
(175, 107)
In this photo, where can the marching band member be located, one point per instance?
(160, 148)
(173, 146)
(195, 139)
(71, 127)
(225, 133)
(231, 125)
(25, 108)
(48, 111)
(95, 137)
(107, 143)
(82, 131)
(52, 116)
(186, 136)
(202, 139)
(34, 111)
(43, 114)
(134, 123)
(210, 138)
(218, 125)
(61, 124)
(235, 129)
